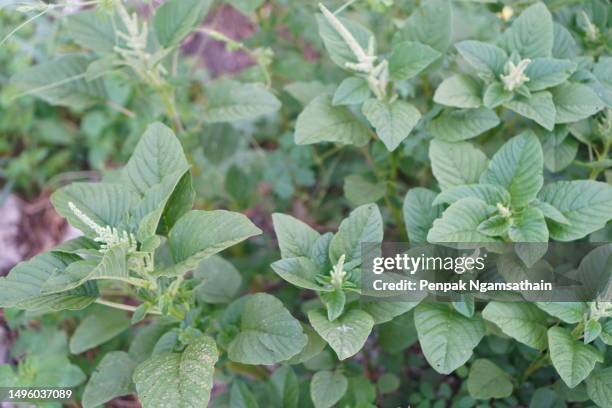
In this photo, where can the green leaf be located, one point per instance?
(517, 167)
(569, 312)
(230, 101)
(200, 234)
(410, 58)
(592, 330)
(304, 92)
(564, 45)
(447, 338)
(458, 125)
(572, 359)
(61, 82)
(285, 384)
(360, 191)
(528, 226)
(586, 204)
(460, 221)
(22, 287)
(327, 388)
(363, 225)
(575, 102)
(175, 19)
(531, 34)
(351, 91)
(486, 380)
(488, 59)
(559, 149)
(606, 332)
(246, 6)
(92, 30)
(431, 24)
(539, 107)
(320, 121)
(550, 212)
(393, 122)
(219, 280)
(178, 379)
(268, 333)
(314, 346)
(347, 334)
(241, 396)
(599, 387)
(460, 91)
(495, 94)
(105, 203)
(300, 271)
(419, 213)
(489, 193)
(455, 164)
(495, 226)
(112, 379)
(334, 302)
(522, 321)
(384, 311)
(339, 52)
(548, 72)
(97, 328)
(295, 238)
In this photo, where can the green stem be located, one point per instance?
(121, 306)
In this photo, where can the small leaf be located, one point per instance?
(295, 238)
(455, 164)
(286, 387)
(599, 387)
(486, 380)
(241, 396)
(300, 271)
(458, 125)
(539, 107)
(559, 149)
(112, 379)
(520, 320)
(531, 34)
(98, 328)
(351, 91)
(548, 72)
(489, 193)
(495, 95)
(592, 330)
(460, 91)
(347, 334)
(431, 24)
(363, 225)
(393, 122)
(572, 359)
(528, 226)
(487, 59)
(360, 191)
(410, 58)
(575, 102)
(175, 19)
(569, 312)
(219, 280)
(327, 388)
(419, 213)
(230, 101)
(460, 221)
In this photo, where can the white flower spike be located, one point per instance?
(516, 75)
(338, 274)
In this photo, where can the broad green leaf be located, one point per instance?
(431, 24)
(522, 321)
(327, 388)
(489, 193)
(410, 58)
(351, 91)
(97, 328)
(105, 203)
(459, 91)
(112, 379)
(295, 238)
(384, 311)
(592, 330)
(300, 271)
(420, 213)
(572, 359)
(559, 149)
(339, 52)
(531, 34)
(334, 302)
(363, 225)
(486, 380)
(550, 212)
(61, 82)
(246, 6)
(146, 338)
(200, 234)
(219, 280)
(455, 164)
(398, 334)
(447, 338)
(285, 384)
(530, 253)
(267, 334)
(606, 332)
(528, 226)
(393, 122)
(599, 387)
(347, 334)
(320, 121)
(488, 59)
(304, 92)
(22, 287)
(586, 204)
(241, 396)
(564, 45)
(539, 107)
(548, 72)
(495, 95)
(458, 125)
(575, 102)
(314, 346)
(460, 221)
(175, 19)
(178, 379)
(360, 191)
(92, 29)
(230, 101)
(569, 312)
(495, 226)
(517, 167)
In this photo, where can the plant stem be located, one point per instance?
(121, 306)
